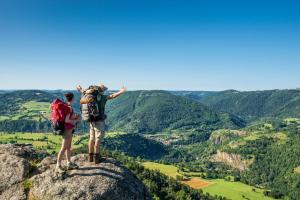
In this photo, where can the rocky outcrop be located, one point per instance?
(107, 180)
(14, 169)
(220, 137)
(231, 159)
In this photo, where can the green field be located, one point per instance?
(169, 170)
(42, 141)
(235, 190)
(229, 189)
(47, 141)
(31, 110)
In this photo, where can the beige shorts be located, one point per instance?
(97, 130)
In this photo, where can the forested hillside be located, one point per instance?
(155, 111)
(254, 104)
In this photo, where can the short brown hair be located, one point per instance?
(69, 96)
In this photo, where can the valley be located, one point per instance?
(189, 136)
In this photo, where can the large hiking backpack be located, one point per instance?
(90, 108)
(59, 111)
(91, 112)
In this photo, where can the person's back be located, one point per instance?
(97, 126)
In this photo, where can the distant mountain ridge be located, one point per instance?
(195, 95)
(155, 111)
(252, 105)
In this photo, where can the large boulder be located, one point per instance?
(14, 169)
(108, 180)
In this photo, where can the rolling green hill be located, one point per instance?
(255, 104)
(155, 111)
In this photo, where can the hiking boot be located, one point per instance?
(97, 158)
(72, 165)
(59, 169)
(91, 157)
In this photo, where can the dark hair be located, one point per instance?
(69, 96)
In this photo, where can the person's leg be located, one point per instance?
(99, 133)
(91, 142)
(60, 154)
(68, 139)
(91, 145)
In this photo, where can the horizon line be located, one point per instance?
(171, 90)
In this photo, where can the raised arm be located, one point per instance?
(79, 88)
(115, 95)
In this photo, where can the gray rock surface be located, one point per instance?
(15, 192)
(231, 159)
(13, 171)
(107, 180)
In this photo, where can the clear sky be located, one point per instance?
(150, 44)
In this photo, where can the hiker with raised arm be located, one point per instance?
(93, 103)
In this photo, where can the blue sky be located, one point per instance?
(150, 44)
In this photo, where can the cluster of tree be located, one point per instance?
(136, 145)
(253, 147)
(274, 169)
(25, 126)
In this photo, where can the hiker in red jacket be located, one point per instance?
(70, 120)
(94, 100)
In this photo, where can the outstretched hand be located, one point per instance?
(115, 95)
(123, 89)
(79, 88)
